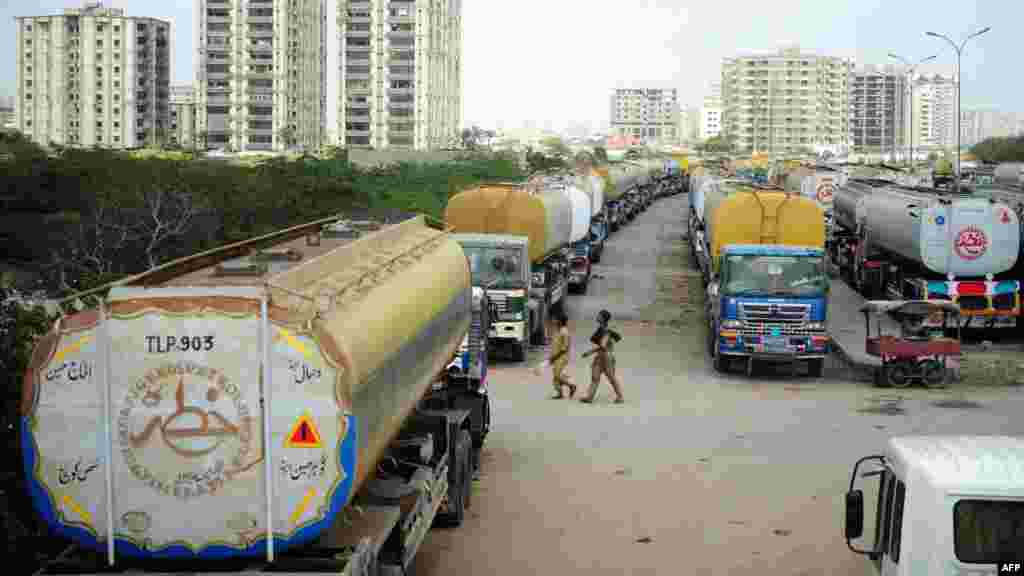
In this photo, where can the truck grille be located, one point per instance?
(774, 314)
(581, 250)
(475, 335)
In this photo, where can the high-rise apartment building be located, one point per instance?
(400, 81)
(878, 103)
(711, 113)
(934, 113)
(786, 101)
(651, 114)
(978, 125)
(93, 77)
(183, 117)
(260, 73)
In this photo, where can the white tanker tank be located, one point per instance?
(1010, 174)
(963, 236)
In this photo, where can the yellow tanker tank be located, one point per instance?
(543, 216)
(735, 213)
(296, 355)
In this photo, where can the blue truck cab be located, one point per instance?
(769, 302)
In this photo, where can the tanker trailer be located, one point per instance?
(623, 180)
(236, 403)
(768, 287)
(517, 239)
(579, 238)
(921, 243)
(634, 197)
(593, 186)
(673, 178)
(1010, 173)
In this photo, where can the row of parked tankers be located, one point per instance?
(893, 235)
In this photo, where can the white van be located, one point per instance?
(941, 505)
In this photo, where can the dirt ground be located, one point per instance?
(698, 473)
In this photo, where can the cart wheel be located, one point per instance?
(933, 373)
(898, 375)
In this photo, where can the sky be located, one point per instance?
(553, 63)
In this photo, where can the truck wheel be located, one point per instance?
(519, 351)
(720, 362)
(457, 489)
(815, 367)
(898, 375)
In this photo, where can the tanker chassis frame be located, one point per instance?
(425, 479)
(880, 275)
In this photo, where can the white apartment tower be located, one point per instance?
(93, 77)
(399, 83)
(651, 114)
(786, 101)
(934, 112)
(183, 117)
(711, 113)
(878, 104)
(260, 73)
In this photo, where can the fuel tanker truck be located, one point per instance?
(768, 285)
(592, 184)
(517, 238)
(623, 180)
(905, 242)
(275, 404)
(700, 181)
(580, 244)
(818, 184)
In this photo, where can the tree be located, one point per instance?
(557, 147)
(1009, 149)
(287, 136)
(600, 155)
(474, 137)
(541, 162)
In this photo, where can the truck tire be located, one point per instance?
(457, 490)
(519, 351)
(816, 367)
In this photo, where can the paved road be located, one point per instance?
(697, 473)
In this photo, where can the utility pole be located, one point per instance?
(959, 50)
(910, 77)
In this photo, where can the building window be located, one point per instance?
(28, 41)
(28, 83)
(28, 96)
(99, 43)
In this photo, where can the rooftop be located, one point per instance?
(965, 464)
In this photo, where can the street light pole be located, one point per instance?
(912, 68)
(959, 50)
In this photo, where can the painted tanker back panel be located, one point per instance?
(984, 238)
(187, 447)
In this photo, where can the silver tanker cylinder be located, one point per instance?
(960, 236)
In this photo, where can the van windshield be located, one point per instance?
(988, 531)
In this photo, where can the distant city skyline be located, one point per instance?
(562, 74)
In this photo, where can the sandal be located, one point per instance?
(620, 401)
(587, 400)
(557, 397)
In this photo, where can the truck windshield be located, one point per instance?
(988, 531)
(773, 275)
(495, 267)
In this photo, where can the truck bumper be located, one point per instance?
(782, 348)
(507, 331)
(577, 278)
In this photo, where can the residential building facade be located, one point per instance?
(259, 73)
(934, 113)
(93, 76)
(979, 125)
(787, 101)
(183, 131)
(711, 113)
(878, 103)
(400, 80)
(651, 114)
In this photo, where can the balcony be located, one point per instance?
(258, 18)
(261, 46)
(261, 32)
(349, 75)
(357, 133)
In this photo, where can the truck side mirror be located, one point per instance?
(713, 289)
(854, 514)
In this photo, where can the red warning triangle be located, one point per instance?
(303, 434)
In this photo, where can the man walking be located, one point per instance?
(604, 340)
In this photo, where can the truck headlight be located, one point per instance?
(731, 324)
(519, 316)
(815, 326)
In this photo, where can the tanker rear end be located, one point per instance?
(234, 403)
